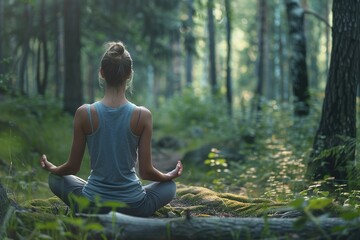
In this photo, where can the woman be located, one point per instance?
(117, 133)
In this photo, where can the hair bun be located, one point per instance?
(116, 47)
(116, 64)
(119, 48)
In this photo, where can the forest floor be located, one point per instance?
(190, 201)
(193, 200)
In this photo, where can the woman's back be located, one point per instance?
(113, 153)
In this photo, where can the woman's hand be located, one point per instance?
(45, 164)
(176, 172)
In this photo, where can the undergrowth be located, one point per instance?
(274, 145)
(29, 128)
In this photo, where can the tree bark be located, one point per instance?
(173, 79)
(59, 50)
(261, 59)
(73, 95)
(120, 226)
(327, 7)
(212, 50)
(298, 67)
(228, 57)
(337, 128)
(41, 76)
(2, 68)
(189, 43)
(28, 15)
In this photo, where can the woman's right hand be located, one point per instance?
(176, 172)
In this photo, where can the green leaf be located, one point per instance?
(350, 215)
(83, 202)
(319, 203)
(44, 236)
(212, 155)
(74, 221)
(324, 193)
(208, 161)
(114, 204)
(94, 227)
(46, 225)
(298, 203)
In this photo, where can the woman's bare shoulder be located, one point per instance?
(144, 110)
(141, 119)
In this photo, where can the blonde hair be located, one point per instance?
(117, 65)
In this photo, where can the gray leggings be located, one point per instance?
(158, 194)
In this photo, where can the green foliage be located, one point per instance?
(52, 219)
(193, 116)
(30, 127)
(219, 171)
(316, 208)
(5, 80)
(343, 153)
(40, 123)
(274, 149)
(29, 225)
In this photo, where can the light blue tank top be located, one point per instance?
(113, 154)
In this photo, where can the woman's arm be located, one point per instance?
(72, 165)
(146, 169)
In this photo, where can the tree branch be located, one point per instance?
(318, 16)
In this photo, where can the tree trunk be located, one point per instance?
(2, 68)
(279, 80)
(92, 72)
(337, 126)
(59, 51)
(73, 95)
(313, 32)
(228, 57)
(298, 67)
(150, 86)
(173, 82)
(212, 50)
(261, 53)
(42, 56)
(327, 51)
(25, 47)
(120, 226)
(189, 43)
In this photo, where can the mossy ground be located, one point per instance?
(200, 201)
(197, 201)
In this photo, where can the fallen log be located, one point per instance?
(120, 226)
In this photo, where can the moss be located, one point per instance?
(213, 203)
(199, 201)
(51, 205)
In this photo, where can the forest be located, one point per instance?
(258, 99)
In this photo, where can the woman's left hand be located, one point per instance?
(45, 164)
